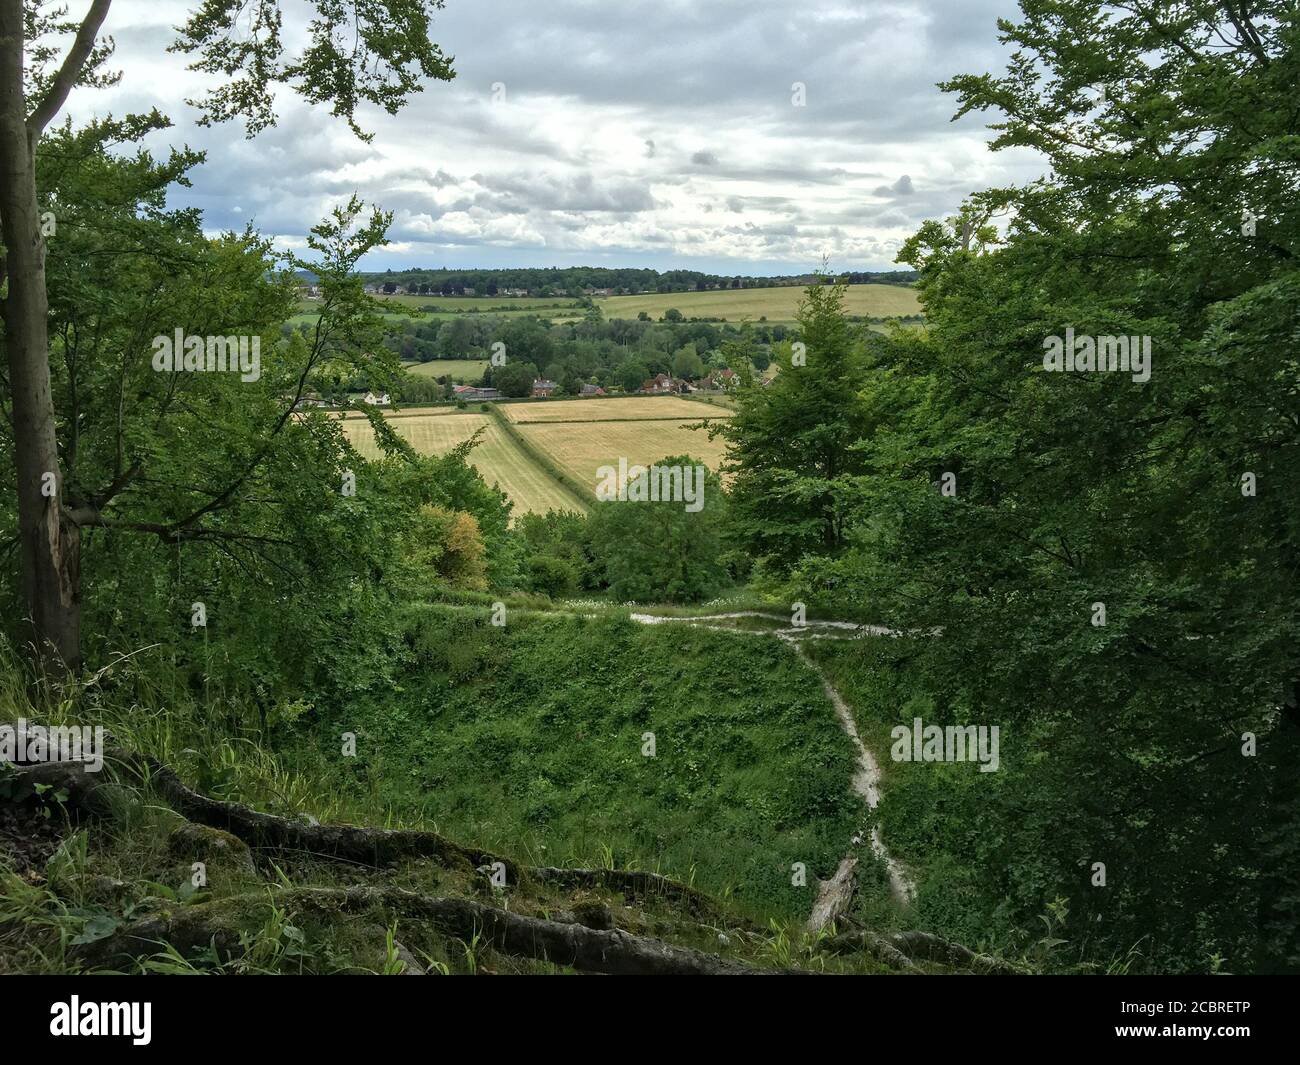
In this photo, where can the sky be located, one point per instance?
(660, 134)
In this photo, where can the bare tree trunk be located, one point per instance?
(49, 545)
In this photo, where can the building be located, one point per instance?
(659, 384)
(543, 387)
(473, 392)
(592, 390)
(376, 399)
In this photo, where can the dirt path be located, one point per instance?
(835, 894)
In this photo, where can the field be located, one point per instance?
(463, 371)
(631, 408)
(581, 447)
(497, 457)
(578, 435)
(774, 304)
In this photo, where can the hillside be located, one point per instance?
(577, 848)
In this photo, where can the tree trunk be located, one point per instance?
(47, 542)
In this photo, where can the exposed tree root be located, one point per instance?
(362, 846)
(569, 944)
(631, 884)
(614, 952)
(833, 896)
(901, 950)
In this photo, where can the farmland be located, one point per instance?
(630, 408)
(774, 304)
(498, 458)
(576, 435)
(462, 371)
(579, 448)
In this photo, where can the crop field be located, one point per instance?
(462, 370)
(774, 304)
(581, 447)
(498, 458)
(633, 408)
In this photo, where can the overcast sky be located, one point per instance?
(657, 133)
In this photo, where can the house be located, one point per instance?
(723, 380)
(310, 399)
(543, 387)
(660, 384)
(473, 392)
(374, 399)
(592, 390)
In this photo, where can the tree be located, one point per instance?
(791, 444)
(250, 62)
(660, 551)
(687, 364)
(1112, 581)
(515, 379)
(632, 374)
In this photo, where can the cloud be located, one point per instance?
(592, 154)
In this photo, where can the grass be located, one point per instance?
(529, 739)
(498, 458)
(630, 408)
(462, 371)
(496, 733)
(774, 304)
(580, 448)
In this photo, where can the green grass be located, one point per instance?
(774, 304)
(528, 738)
(462, 371)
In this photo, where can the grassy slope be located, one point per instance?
(528, 738)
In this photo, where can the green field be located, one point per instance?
(498, 458)
(463, 371)
(774, 304)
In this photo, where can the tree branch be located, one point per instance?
(73, 64)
